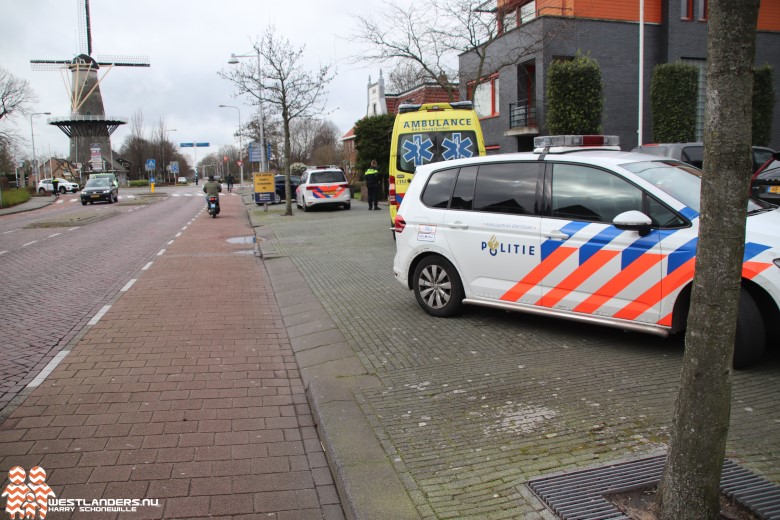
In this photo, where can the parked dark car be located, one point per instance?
(765, 184)
(693, 153)
(279, 186)
(99, 189)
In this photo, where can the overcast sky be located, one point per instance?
(187, 43)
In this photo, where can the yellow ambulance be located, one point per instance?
(428, 133)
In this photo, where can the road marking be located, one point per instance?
(100, 314)
(54, 235)
(29, 243)
(11, 231)
(170, 242)
(73, 229)
(178, 234)
(3, 252)
(60, 201)
(162, 252)
(128, 285)
(48, 369)
(147, 266)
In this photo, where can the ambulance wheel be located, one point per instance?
(437, 287)
(750, 341)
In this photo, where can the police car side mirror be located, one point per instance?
(633, 221)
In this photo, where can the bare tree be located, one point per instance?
(404, 76)
(15, 97)
(294, 92)
(690, 483)
(136, 148)
(301, 135)
(431, 48)
(408, 41)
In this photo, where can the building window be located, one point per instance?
(703, 9)
(486, 98)
(528, 12)
(509, 20)
(686, 9)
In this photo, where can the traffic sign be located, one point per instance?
(174, 166)
(151, 165)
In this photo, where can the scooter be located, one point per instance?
(213, 206)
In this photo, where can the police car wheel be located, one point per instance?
(750, 341)
(437, 287)
(303, 205)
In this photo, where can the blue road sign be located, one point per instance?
(174, 166)
(151, 165)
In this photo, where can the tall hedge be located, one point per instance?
(372, 141)
(673, 93)
(763, 104)
(575, 96)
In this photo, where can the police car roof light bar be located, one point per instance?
(548, 141)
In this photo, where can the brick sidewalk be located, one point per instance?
(186, 391)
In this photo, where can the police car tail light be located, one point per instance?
(400, 224)
(548, 141)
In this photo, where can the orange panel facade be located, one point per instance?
(769, 16)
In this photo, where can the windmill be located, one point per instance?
(87, 126)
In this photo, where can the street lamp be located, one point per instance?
(32, 135)
(164, 139)
(240, 144)
(234, 61)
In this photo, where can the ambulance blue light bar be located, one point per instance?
(549, 141)
(434, 107)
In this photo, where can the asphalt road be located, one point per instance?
(60, 264)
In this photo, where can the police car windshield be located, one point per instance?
(680, 180)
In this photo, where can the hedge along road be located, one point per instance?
(63, 263)
(468, 409)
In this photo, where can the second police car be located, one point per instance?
(598, 236)
(323, 186)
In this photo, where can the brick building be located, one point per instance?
(607, 31)
(379, 103)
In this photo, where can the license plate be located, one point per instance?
(213, 206)
(774, 189)
(328, 188)
(95, 196)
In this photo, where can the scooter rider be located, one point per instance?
(212, 188)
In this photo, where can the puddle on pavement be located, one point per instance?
(242, 240)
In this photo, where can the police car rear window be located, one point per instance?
(327, 176)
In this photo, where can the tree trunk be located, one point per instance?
(287, 186)
(690, 482)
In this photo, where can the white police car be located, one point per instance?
(323, 187)
(598, 236)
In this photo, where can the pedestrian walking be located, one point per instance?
(230, 180)
(372, 185)
(55, 183)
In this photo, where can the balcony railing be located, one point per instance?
(521, 115)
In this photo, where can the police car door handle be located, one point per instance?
(458, 225)
(556, 235)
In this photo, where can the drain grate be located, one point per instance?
(580, 495)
